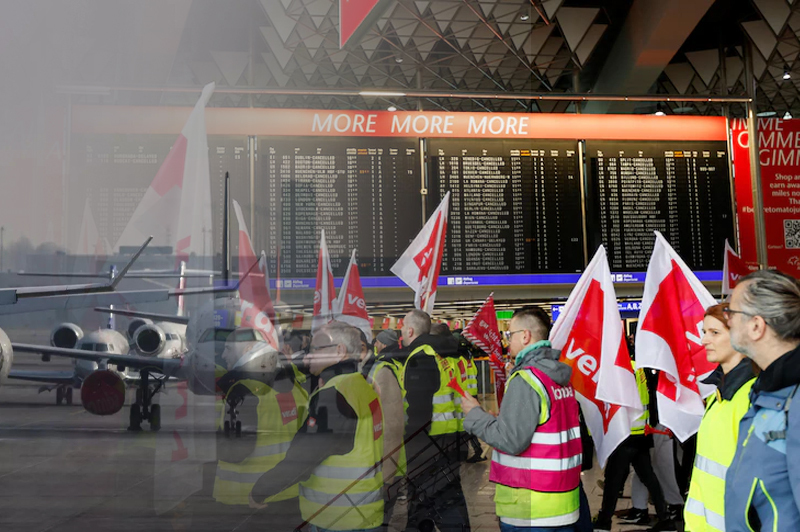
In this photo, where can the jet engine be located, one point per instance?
(66, 335)
(149, 339)
(103, 393)
(134, 326)
(6, 355)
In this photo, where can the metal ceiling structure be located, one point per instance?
(444, 46)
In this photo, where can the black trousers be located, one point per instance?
(635, 452)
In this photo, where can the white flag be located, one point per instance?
(669, 335)
(176, 208)
(419, 265)
(351, 307)
(324, 293)
(589, 332)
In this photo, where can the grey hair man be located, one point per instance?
(343, 432)
(761, 484)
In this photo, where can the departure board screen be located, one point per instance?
(364, 192)
(681, 189)
(113, 172)
(515, 205)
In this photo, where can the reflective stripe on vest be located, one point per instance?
(472, 378)
(344, 491)
(539, 487)
(711, 520)
(280, 416)
(716, 446)
(444, 419)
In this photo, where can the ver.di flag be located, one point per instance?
(733, 269)
(482, 331)
(669, 335)
(257, 309)
(590, 335)
(419, 265)
(324, 293)
(176, 208)
(351, 307)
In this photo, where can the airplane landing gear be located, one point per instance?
(64, 395)
(143, 409)
(233, 425)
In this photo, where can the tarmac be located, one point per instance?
(63, 469)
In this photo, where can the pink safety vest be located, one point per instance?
(552, 462)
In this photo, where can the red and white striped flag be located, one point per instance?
(419, 265)
(669, 335)
(324, 293)
(257, 309)
(351, 307)
(590, 335)
(178, 201)
(733, 269)
(482, 331)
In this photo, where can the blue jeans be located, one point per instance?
(511, 528)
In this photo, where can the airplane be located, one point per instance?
(35, 298)
(228, 339)
(144, 337)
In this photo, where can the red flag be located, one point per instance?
(351, 307)
(733, 269)
(257, 310)
(669, 335)
(589, 333)
(482, 331)
(352, 14)
(419, 265)
(324, 293)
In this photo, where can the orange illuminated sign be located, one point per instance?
(304, 122)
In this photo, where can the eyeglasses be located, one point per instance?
(727, 311)
(509, 334)
(318, 347)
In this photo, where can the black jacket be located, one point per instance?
(330, 429)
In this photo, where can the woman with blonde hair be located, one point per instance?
(719, 430)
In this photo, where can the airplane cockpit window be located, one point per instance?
(215, 335)
(102, 348)
(244, 335)
(87, 346)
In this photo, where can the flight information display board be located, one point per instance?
(515, 205)
(681, 189)
(365, 193)
(114, 171)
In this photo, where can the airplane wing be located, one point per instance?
(167, 366)
(171, 318)
(103, 299)
(50, 377)
(14, 295)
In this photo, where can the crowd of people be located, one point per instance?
(350, 428)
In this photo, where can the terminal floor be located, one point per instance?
(62, 469)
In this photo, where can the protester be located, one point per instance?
(662, 458)
(634, 451)
(385, 379)
(342, 435)
(719, 430)
(386, 342)
(432, 448)
(537, 473)
(761, 484)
